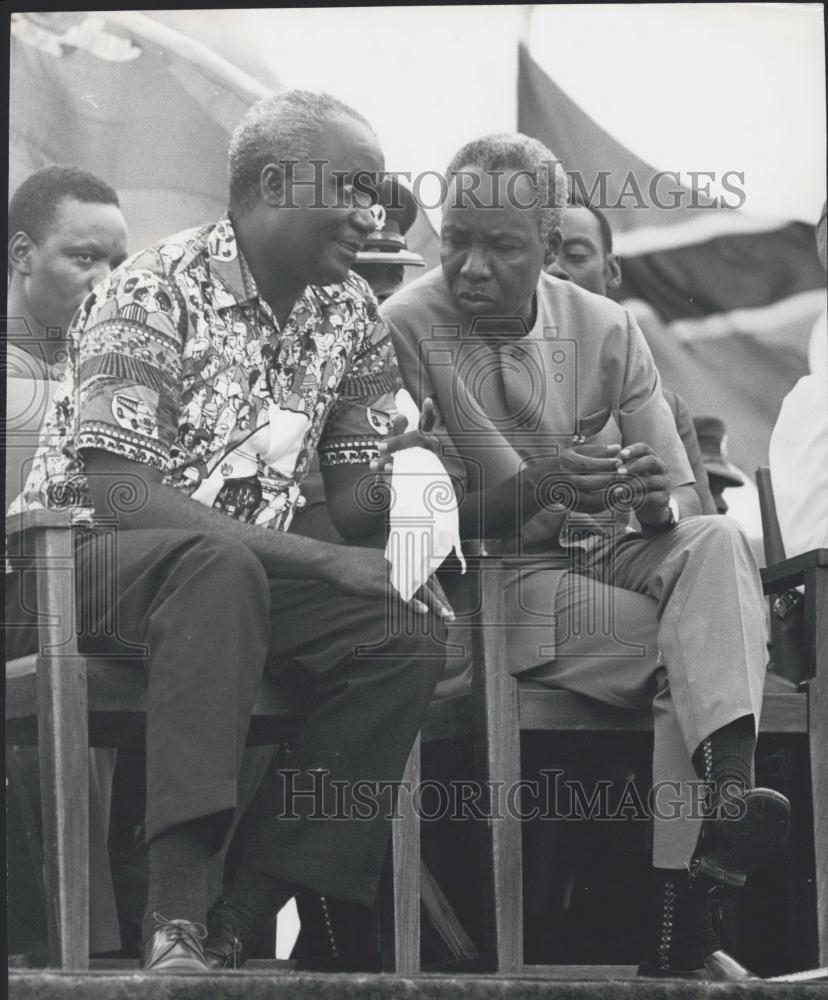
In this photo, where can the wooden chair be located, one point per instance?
(499, 707)
(799, 650)
(66, 702)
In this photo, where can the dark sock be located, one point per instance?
(725, 758)
(682, 931)
(248, 906)
(178, 863)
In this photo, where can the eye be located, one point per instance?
(85, 259)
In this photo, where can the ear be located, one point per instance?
(20, 253)
(553, 247)
(272, 185)
(613, 271)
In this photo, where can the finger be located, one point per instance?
(597, 450)
(428, 417)
(572, 461)
(398, 425)
(440, 594)
(647, 465)
(418, 606)
(433, 595)
(633, 451)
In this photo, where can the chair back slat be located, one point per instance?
(771, 533)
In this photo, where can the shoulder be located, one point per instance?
(420, 303)
(567, 299)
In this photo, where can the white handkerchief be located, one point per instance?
(425, 525)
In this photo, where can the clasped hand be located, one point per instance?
(603, 476)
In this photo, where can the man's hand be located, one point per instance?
(365, 571)
(639, 464)
(587, 473)
(399, 439)
(594, 471)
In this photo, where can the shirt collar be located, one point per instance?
(227, 263)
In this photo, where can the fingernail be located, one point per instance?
(622, 471)
(448, 616)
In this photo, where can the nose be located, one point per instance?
(558, 271)
(98, 273)
(363, 220)
(476, 264)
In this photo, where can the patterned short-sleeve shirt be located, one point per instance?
(176, 362)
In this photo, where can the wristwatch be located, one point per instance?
(674, 514)
(672, 519)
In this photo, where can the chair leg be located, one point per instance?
(400, 904)
(63, 741)
(64, 791)
(818, 746)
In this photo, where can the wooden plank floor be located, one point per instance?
(257, 983)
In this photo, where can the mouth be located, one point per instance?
(474, 298)
(350, 247)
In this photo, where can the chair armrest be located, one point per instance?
(39, 534)
(37, 520)
(791, 572)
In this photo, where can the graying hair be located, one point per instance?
(515, 151)
(277, 128)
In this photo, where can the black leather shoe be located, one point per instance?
(175, 946)
(729, 849)
(224, 950)
(718, 967)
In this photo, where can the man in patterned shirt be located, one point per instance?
(257, 315)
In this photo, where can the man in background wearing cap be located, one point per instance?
(721, 474)
(386, 252)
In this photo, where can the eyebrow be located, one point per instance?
(495, 234)
(86, 247)
(583, 240)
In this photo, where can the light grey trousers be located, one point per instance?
(676, 621)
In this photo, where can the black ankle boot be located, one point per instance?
(223, 947)
(749, 831)
(684, 943)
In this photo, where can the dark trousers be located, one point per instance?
(200, 613)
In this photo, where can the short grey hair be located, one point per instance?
(515, 151)
(277, 128)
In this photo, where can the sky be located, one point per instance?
(686, 86)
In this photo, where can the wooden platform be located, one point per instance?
(258, 982)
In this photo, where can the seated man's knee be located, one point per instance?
(234, 565)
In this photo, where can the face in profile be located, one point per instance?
(83, 244)
(492, 255)
(322, 219)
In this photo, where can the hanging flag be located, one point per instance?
(727, 302)
(133, 101)
(141, 104)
